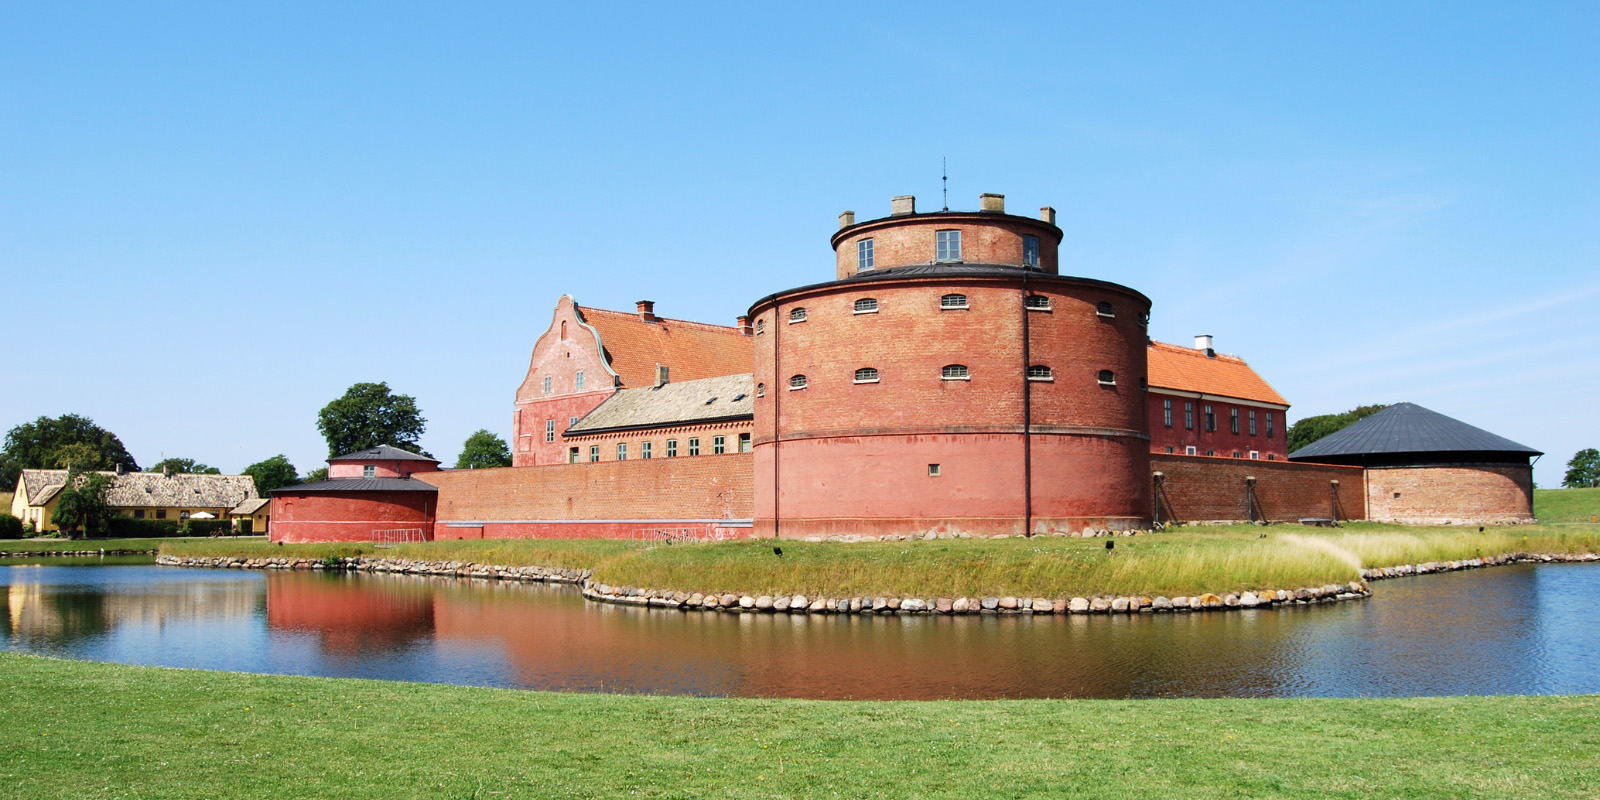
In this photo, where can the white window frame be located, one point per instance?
(547, 384)
(1105, 309)
(1106, 378)
(369, 471)
(1043, 305)
(953, 302)
(577, 381)
(1189, 450)
(947, 246)
(865, 258)
(1049, 375)
(870, 307)
(798, 382)
(797, 315)
(949, 372)
(873, 379)
(549, 430)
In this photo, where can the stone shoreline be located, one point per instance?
(62, 553)
(736, 603)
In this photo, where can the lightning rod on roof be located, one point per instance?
(944, 179)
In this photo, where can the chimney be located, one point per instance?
(1203, 342)
(903, 205)
(661, 375)
(647, 310)
(744, 324)
(166, 472)
(1047, 214)
(119, 469)
(846, 219)
(993, 203)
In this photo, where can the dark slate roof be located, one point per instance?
(956, 269)
(360, 485)
(382, 452)
(1409, 428)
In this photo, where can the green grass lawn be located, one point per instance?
(16, 545)
(78, 729)
(1176, 562)
(1566, 505)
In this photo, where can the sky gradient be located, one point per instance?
(215, 218)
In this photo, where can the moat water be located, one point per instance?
(1507, 630)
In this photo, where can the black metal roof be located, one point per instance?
(952, 270)
(1408, 428)
(383, 452)
(360, 485)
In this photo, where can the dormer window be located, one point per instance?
(953, 301)
(797, 315)
(948, 245)
(866, 305)
(864, 258)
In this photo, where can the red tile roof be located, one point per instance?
(1186, 369)
(690, 350)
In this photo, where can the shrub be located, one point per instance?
(10, 527)
(130, 528)
(205, 527)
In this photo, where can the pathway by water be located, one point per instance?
(1525, 629)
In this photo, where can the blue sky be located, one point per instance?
(216, 217)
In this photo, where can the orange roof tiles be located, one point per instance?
(690, 350)
(1189, 370)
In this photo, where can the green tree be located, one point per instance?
(1311, 429)
(315, 476)
(272, 473)
(184, 466)
(483, 450)
(1583, 469)
(369, 415)
(39, 445)
(82, 505)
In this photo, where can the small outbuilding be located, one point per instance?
(1421, 466)
(369, 496)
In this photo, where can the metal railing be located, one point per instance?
(394, 536)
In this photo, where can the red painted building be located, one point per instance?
(1204, 403)
(950, 380)
(369, 496)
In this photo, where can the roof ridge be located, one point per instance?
(1196, 352)
(635, 316)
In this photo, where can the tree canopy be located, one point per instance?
(82, 504)
(272, 473)
(317, 475)
(483, 450)
(52, 442)
(1583, 470)
(1310, 429)
(368, 415)
(184, 466)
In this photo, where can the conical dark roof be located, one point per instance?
(382, 452)
(1408, 428)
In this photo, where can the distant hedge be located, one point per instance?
(206, 527)
(10, 527)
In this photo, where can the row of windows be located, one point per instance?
(947, 247)
(1211, 418)
(1255, 455)
(949, 372)
(719, 446)
(577, 382)
(949, 302)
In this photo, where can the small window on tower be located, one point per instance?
(761, 390)
(950, 301)
(1037, 302)
(955, 372)
(1105, 309)
(949, 245)
(864, 255)
(867, 375)
(761, 326)
(1030, 251)
(797, 315)
(797, 382)
(1040, 372)
(1108, 378)
(866, 305)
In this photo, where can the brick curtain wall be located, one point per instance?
(702, 487)
(1460, 494)
(1201, 489)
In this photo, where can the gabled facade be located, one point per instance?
(589, 354)
(1204, 403)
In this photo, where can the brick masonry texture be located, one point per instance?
(639, 494)
(1200, 489)
(1464, 494)
(985, 239)
(347, 517)
(1223, 441)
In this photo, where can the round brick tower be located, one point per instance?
(950, 380)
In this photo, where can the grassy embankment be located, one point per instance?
(86, 545)
(1566, 505)
(77, 729)
(1177, 562)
